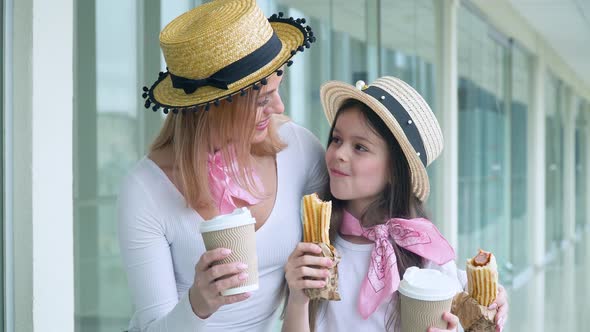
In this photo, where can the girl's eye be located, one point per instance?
(361, 148)
(335, 140)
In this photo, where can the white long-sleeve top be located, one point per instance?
(160, 242)
(343, 315)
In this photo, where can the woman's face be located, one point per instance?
(269, 102)
(357, 160)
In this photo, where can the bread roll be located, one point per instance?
(482, 277)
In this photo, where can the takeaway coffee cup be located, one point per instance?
(236, 232)
(425, 295)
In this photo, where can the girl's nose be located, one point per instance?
(340, 153)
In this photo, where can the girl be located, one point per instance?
(382, 138)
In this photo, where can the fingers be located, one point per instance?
(236, 298)
(307, 284)
(304, 248)
(452, 320)
(309, 260)
(306, 277)
(502, 313)
(501, 298)
(211, 280)
(452, 323)
(304, 269)
(501, 303)
(211, 256)
(222, 270)
(230, 282)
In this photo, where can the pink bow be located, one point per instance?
(418, 235)
(223, 188)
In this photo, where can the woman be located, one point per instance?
(224, 144)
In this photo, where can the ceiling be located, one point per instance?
(565, 25)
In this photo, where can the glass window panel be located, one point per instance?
(554, 100)
(409, 52)
(521, 92)
(342, 52)
(581, 167)
(108, 142)
(2, 168)
(484, 155)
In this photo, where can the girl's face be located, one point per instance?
(357, 160)
(269, 102)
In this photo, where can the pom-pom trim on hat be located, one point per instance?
(309, 38)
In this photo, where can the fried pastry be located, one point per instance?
(316, 229)
(316, 219)
(482, 277)
(482, 285)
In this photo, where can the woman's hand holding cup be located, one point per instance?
(210, 280)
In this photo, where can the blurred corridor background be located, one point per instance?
(509, 81)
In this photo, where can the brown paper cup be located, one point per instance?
(424, 296)
(419, 315)
(236, 232)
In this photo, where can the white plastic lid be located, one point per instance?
(240, 217)
(427, 285)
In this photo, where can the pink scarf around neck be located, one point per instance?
(418, 235)
(223, 188)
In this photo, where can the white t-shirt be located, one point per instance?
(343, 315)
(160, 242)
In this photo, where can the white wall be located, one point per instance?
(42, 165)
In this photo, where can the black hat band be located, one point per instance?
(234, 71)
(403, 119)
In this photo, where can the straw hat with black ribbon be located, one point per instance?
(220, 50)
(405, 113)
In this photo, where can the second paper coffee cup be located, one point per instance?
(236, 232)
(425, 295)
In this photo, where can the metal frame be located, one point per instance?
(7, 279)
(2, 167)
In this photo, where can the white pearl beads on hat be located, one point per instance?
(360, 84)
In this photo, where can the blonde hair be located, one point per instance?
(194, 135)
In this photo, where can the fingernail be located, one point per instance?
(226, 251)
(329, 262)
(242, 266)
(243, 276)
(493, 306)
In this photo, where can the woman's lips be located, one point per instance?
(262, 125)
(336, 172)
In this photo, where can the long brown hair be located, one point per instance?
(395, 201)
(193, 135)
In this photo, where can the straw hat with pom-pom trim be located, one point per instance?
(220, 50)
(405, 113)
